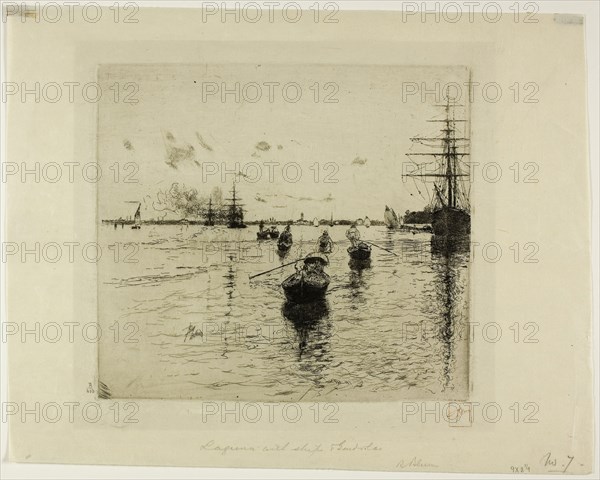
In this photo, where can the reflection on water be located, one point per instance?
(449, 258)
(306, 318)
(388, 328)
(357, 285)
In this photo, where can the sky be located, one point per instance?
(339, 148)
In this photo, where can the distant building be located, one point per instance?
(302, 221)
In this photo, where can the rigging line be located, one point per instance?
(418, 190)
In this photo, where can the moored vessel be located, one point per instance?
(450, 203)
(235, 214)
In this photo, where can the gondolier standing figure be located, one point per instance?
(287, 233)
(285, 240)
(353, 235)
(325, 243)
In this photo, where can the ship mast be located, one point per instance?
(236, 214)
(210, 213)
(449, 155)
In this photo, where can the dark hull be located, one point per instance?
(263, 235)
(283, 247)
(451, 222)
(361, 252)
(358, 265)
(136, 227)
(285, 242)
(237, 225)
(274, 235)
(302, 288)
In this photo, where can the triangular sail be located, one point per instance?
(137, 218)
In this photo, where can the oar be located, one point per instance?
(389, 251)
(276, 268)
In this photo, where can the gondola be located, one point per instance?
(274, 233)
(310, 282)
(285, 243)
(362, 251)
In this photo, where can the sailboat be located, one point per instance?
(450, 205)
(390, 218)
(367, 222)
(235, 215)
(331, 221)
(137, 219)
(210, 214)
(316, 222)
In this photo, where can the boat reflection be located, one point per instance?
(357, 285)
(359, 265)
(312, 326)
(450, 262)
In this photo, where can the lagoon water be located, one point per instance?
(194, 326)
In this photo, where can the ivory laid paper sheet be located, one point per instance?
(331, 241)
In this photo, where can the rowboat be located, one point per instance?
(325, 245)
(273, 232)
(310, 282)
(362, 251)
(285, 242)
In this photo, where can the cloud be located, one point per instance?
(177, 155)
(328, 198)
(203, 144)
(263, 146)
(359, 161)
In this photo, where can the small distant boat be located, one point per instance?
(309, 283)
(273, 232)
(315, 222)
(367, 222)
(263, 235)
(390, 218)
(362, 251)
(137, 219)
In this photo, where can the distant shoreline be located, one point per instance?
(375, 223)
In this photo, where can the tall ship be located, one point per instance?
(235, 211)
(451, 211)
(210, 214)
(390, 218)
